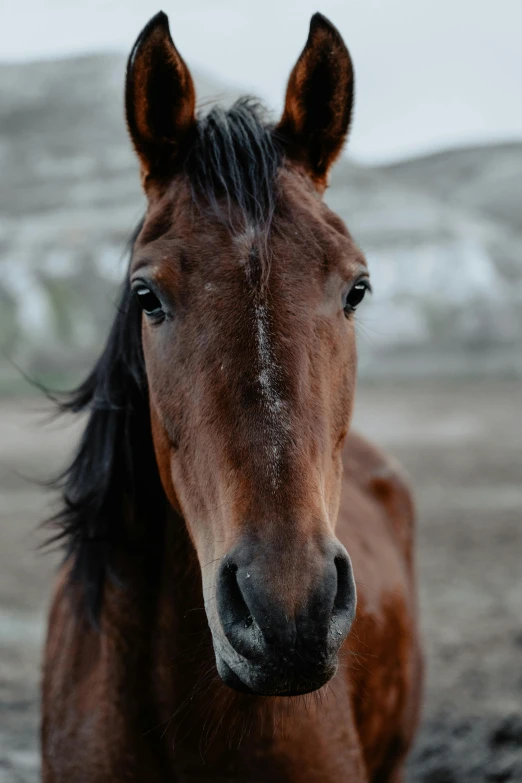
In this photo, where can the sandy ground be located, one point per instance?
(462, 445)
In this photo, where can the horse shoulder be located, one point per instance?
(381, 479)
(376, 524)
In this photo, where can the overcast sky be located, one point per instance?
(430, 73)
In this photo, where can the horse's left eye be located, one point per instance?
(149, 302)
(355, 296)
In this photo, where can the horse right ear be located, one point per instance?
(319, 100)
(159, 99)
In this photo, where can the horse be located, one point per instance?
(237, 598)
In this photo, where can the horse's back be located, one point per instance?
(376, 525)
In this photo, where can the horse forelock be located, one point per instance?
(232, 166)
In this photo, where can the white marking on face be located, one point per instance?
(274, 406)
(245, 242)
(275, 415)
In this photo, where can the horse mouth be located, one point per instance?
(259, 683)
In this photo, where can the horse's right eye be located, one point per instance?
(149, 302)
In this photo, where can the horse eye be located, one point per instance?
(149, 302)
(355, 296)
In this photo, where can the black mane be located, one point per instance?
(234, 158)
(113, 478)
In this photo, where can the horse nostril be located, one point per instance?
(236, 618)
(341, 564)
(345, 598)
(236, 604)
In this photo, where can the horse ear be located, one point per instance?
(319, 99)
(159, 98)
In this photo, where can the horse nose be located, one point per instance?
(259, 623)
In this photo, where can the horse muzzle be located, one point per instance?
(274, 641)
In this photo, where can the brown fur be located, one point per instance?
(139, 698)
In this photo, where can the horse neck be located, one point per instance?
(182, 654)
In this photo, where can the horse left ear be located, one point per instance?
(319, 100)
(159, 99)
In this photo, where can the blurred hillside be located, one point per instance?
(443, 234)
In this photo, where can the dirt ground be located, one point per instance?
(462, 446)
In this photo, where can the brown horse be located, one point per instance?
(207, 585)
